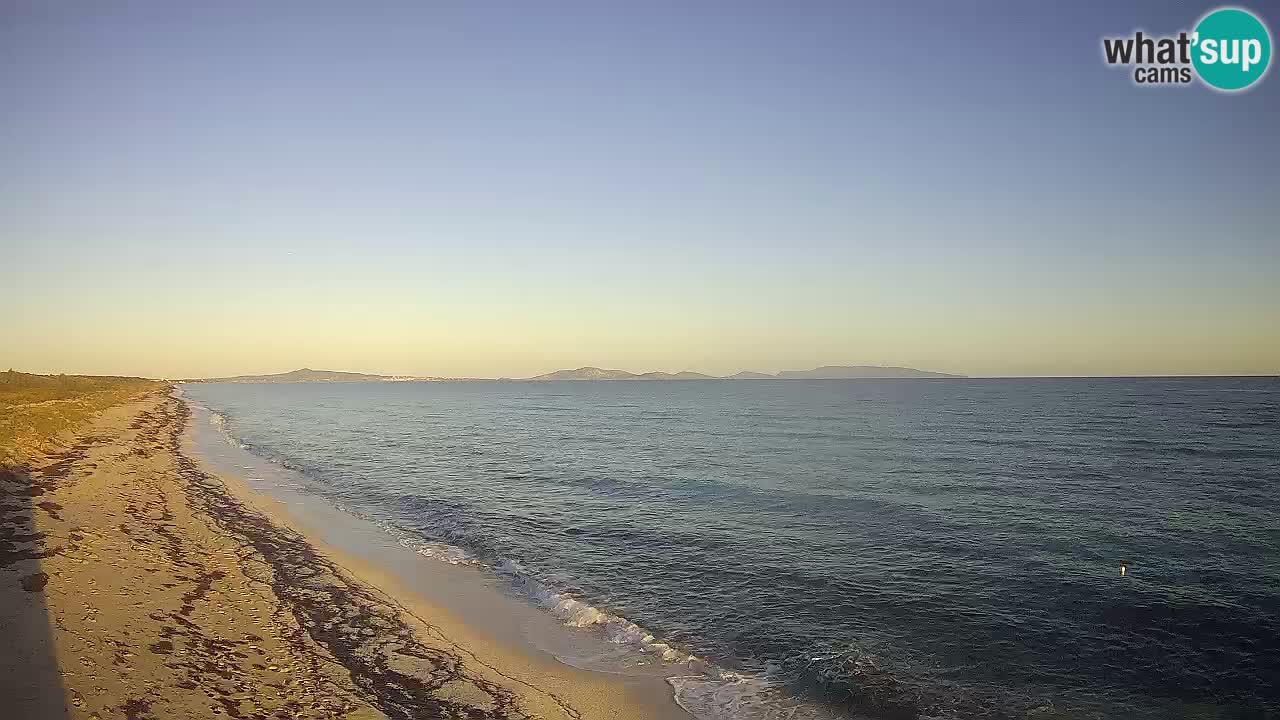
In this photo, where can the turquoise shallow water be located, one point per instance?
(892, 549)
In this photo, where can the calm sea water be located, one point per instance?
(887, 549)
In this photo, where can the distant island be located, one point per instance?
(842, 372)
(827, 372)
(306, 375)
(595, 373)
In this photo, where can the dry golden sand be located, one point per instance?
(134, 584)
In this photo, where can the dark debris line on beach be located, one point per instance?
(365, 632)
(19, 488)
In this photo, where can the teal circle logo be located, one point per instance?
(1231, 49)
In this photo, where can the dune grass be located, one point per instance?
(35, 409)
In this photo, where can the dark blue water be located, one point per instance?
(895, 549)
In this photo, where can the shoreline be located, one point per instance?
(467, 608)
(498, 606)
(135, 583)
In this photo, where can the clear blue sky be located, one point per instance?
(478, 188)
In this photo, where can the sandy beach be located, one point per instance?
(135, 583)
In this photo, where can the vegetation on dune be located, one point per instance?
(35, 409)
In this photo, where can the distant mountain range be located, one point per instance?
(842, 372)
(308, 375)
(595, 373)
(827, 372)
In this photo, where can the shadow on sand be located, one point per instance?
(30, 682)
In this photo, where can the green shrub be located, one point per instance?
(35, 409)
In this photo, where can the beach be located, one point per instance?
(725, 551)
(824, 548)
(136, 583)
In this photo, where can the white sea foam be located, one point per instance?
(705, 691)
(724, 695)
(443, 552)
(219, 422)
(576, 613)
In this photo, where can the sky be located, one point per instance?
(475, 188)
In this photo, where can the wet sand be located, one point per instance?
(135, 583)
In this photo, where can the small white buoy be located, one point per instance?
(1123, 569)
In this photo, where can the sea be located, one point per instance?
(882, 549)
